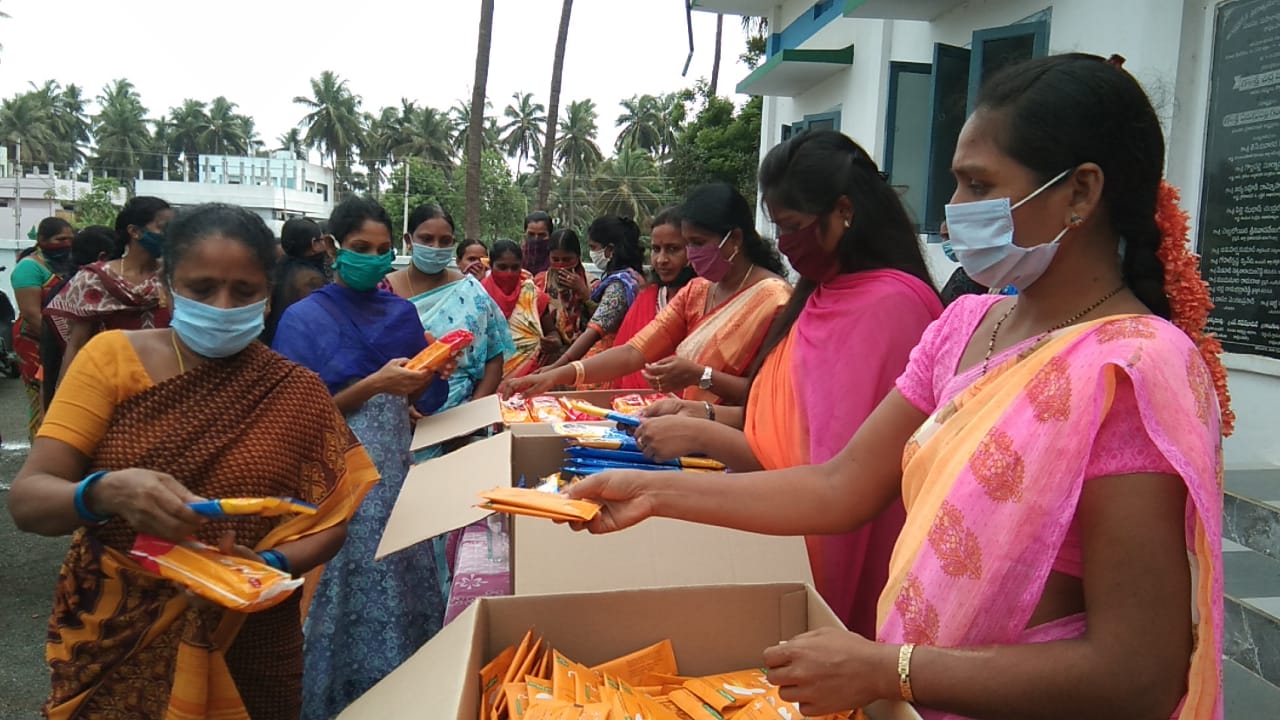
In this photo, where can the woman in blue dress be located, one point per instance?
(366, 617)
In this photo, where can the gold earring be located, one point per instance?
(1076, 220)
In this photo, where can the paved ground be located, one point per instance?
(28, 568)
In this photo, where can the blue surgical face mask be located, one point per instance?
(981, 236)
(153, 243)
(217, 332)
(431, 260)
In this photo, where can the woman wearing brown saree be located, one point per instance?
(155, 419)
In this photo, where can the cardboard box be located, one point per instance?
(713, 629)
(440, 495)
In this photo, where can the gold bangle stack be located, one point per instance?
(579, 372)
(904, 672)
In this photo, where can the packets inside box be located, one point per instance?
(532, 681)
(518, 409)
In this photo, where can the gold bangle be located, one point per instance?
(579, 372)
(904, 672)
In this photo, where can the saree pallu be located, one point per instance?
(993, 478)
(464, 305)
(728, 338)
(124, 643)
(99, 295)
(525, 323)
(800, 412)
(648, 303)
(568, 309)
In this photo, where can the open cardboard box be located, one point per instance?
(440, 495)
(713, 629)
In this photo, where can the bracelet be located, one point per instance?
(579, 372)
(904, 672)
(711, 411)
(276, 559)
(82, 506)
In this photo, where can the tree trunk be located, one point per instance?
(715, 64)
(553, 108)
(475, 131)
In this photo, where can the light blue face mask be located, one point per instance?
(431, 260)
(981, 236)
(217, 332)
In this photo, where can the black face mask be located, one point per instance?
(59, 259)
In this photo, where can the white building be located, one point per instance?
(898, 75)
(277, 188)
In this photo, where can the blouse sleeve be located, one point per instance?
(916, 382)
(29, 274)
(105, 373)
(612, 309)
(660, 338)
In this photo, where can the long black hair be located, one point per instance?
(719, 208)
(623, 235)
(565, 240)
(297, 235)
(139, 212)
(1062, 111)
(808, 174)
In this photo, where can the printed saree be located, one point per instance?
(525, 323)
(993, 478)
(124, 643)
(464, 305)
(26, 343)
(99, 294)
(728, 338)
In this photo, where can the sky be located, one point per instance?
(262, 53)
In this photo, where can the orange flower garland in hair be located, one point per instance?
(1188, 293)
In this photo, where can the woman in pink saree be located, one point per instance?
(1058, 452)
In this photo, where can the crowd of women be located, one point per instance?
(1012, 503)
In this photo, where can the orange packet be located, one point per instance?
(517, 700)
(761, 709)
(693, 706)
(789, 709)
(573, 682)
(553, 711)
(538, 690)
(513, 500)
(526, 655)
(629, 404)
(572, 413)
(230, 581)
(634, 668)
(515, 410)
(596, 711)
(435, 355)
(546, 409)
(491, 677)
(730, 690)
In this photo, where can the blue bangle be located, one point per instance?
(82, 507)
(276, 559)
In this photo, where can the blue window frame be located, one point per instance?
(818, 121)
(907, 133)
(996, 48)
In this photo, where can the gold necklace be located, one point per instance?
(741, 285)
(182, 367)
(995, 331)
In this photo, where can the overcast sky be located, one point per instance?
(261, 53)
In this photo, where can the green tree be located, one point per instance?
(23, 119)
(426, 133)
(120, 129)
(526, 123)
(190, 128)
(333, 123)
(428, 183)
(225, 134)
(629, 185)
(65, 108)
(577, 152)
(292, 143)
(460, 116)
(97, 207)
(557, 72)
(719, 145)
(641, 124)
(503, 205)
(380, 132)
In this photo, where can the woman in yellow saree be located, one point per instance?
(704, 341)
(155, 419)
(1061, 556)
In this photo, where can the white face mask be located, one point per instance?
(598, 258)
(981, 235)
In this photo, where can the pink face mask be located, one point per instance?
(708, 262)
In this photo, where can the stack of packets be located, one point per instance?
(550, 409)
(538, 503)
(230, 581)
(597, 448)
(531, 681)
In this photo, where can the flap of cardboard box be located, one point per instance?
(550, 558)
(440, 495)
(456, 422)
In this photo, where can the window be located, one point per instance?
(958, 74)
(907, 133)
(820, 121)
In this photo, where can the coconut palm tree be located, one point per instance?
(24, 119)
(628, 185)
(333, 123)
(427, 134)
(66, 110)
(190, 128)
(120, 129)
(557, 71)
(526, 121)
(226, 132)
(475, 125)
(381, 133)
(672, 112)
(577, 151)
(162, 152)
(641, 123)
(292, 143)
(715, 61)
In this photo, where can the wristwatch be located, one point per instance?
(705, 382)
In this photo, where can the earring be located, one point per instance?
(1076, 220)
(846, 223)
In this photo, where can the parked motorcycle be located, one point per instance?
(8, 317)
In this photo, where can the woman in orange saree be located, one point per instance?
(152, 420)
(867, 282)
(1061, 556)
(702, 344)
